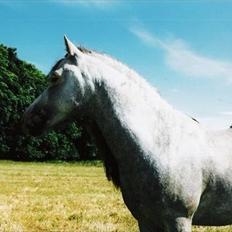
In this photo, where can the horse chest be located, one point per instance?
(140, 190)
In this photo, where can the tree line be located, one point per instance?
(20, 83)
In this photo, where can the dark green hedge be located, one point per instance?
(20, 84)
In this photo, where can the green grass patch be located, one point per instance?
(63, 197)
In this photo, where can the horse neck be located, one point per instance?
(128, 109)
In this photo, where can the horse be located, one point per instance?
(172, 171)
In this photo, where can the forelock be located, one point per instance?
(68, 58)
(57, 65)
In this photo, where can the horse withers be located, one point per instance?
(172, 171)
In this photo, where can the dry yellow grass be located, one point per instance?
(63, 197)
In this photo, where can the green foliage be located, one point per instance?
(20, 84)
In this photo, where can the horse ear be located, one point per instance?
(70, 47)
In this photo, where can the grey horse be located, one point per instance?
(172, 171)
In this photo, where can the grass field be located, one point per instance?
(63, 197)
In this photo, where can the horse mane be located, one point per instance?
(109, 161)
(84, 50)
(103, 149)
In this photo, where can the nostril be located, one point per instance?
(43, 112)
(29, 124)
(36, 119)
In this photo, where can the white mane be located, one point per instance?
(137, 103)
(152, 121)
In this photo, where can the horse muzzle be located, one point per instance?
(35, 121)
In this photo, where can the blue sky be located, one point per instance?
(184, 48)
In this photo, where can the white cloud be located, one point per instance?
(215, 122)
(181, 58)
(226, 113)
(88, 3)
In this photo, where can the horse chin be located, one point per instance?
(61, 125)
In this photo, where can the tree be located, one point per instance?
(20, 84)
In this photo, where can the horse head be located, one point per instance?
(67, 93)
